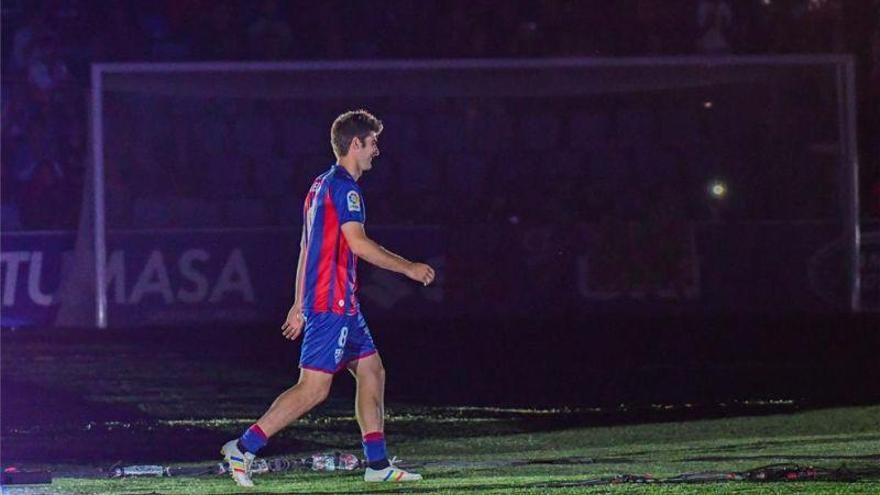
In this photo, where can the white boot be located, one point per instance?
(239, 463)
(390, 474)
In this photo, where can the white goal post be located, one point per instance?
(537, 77)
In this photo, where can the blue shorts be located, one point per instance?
(331, 341)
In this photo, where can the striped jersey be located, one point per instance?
(330, 281)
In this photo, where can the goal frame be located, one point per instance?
(846, 113)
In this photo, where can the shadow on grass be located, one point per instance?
(49, 425)
(95, 397)
(508, 487)
(817, 457)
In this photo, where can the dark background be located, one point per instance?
(48, 47)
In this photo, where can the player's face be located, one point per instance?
(368, 151)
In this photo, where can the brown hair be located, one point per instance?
(352, 124)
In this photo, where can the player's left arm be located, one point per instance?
(366, 248)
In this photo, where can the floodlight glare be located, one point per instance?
(718, 189)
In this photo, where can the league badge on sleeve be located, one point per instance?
(354, 201)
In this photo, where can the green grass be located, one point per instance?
(826, 438)
(92, 404)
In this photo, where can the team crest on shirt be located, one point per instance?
(354, 201)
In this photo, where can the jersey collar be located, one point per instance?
(341, 170)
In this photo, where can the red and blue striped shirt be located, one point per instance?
(330, 281)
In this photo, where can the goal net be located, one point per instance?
(575, 184)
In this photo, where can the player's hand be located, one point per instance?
(294, 323)
(421, 272)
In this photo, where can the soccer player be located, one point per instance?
(326, 309)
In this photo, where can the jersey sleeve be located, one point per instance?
(349, 202)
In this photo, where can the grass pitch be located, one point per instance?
(829, 438)
(79, 405)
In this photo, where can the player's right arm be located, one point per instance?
(367, 249)
(294, 323)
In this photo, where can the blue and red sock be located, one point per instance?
(253, 440)
(374, 450)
